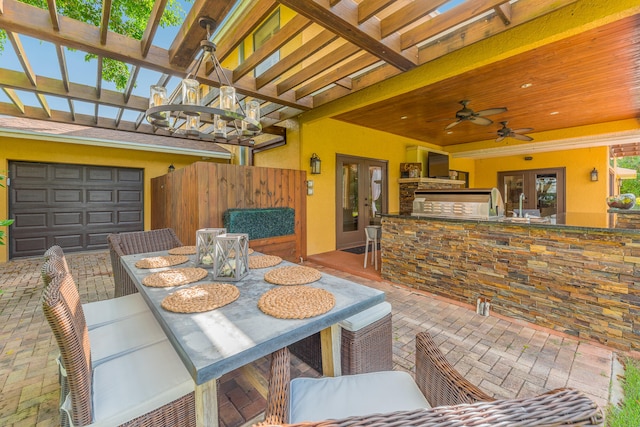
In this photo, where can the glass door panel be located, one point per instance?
(543, 190)
(547, 194)
(350, 197)
(513, 188)
(375, 194)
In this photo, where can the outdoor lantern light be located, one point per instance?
(206, 245)
(230, 260)
(315, 164)
(171, 168)
(185, 113)
(594, 174)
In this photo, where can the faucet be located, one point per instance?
(520, 200)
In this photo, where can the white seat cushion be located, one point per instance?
(317, 399)
(124, 335)
(138, 382)
(98, 313)
(365, 318)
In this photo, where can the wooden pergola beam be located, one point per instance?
(504, 12)
(32, 21)
(13, 96)
(104, 21)
(62, 62)
(152, 26)
(22, 56)
(368, 8)
(275, 42)
(409, 14)
(342, 19)
(53, 13)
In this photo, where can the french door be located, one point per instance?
(361, 193)
(542, 191)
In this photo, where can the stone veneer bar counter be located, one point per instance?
(579, 280)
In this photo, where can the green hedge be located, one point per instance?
(260, 223)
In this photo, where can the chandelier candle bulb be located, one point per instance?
(193, 125)
(190, 93)
(158, 96)
(228, 98)
(219, 127)
(253, 110)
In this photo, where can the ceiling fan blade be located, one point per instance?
(522, 137)
(500, 138)
(481, 121)
(450, 125)
(491, 111)
(522, 130)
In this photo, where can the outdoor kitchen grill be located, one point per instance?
(470, 203)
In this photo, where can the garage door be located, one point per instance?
(74, 206)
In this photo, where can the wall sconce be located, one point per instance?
(315, 164)
(171, 168)
(594, 174)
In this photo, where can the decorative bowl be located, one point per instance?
(622, 201)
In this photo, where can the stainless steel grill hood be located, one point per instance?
(471, 203)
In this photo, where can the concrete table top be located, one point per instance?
(216, 342)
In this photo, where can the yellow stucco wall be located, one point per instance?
(154, 164)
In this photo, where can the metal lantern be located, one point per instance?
(206, 246)
(231, 260)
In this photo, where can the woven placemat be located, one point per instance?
(183, 250)
(200, 298)
(292, 275)
(233, 253)
(174, 277)
(161, 261)
(264, 261)
(296, 302)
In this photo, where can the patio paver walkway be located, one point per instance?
(505, 357)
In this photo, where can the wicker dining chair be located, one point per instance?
(452, 400)
(148, 386)
(135, 243)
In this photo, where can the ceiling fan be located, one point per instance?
(505, 132)
(467, 114)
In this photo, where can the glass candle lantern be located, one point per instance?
(219, 127)
(206, 245)
(231, 260)
(228, 98)
(157, 97)
(253, 110)
(192, 125)
(190, 93)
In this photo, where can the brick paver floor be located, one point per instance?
(504, 357)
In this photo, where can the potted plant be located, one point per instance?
(3, 222)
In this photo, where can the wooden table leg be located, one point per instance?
(206, 397)
(330, 343)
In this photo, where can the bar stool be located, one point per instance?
(373, 234)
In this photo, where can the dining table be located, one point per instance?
(213, 343)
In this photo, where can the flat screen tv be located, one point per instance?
(438, 165)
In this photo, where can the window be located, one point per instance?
(260, 37)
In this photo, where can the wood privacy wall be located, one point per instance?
(198, 195)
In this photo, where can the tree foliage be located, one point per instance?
(128, 17)
(3, 222)
(630, 185)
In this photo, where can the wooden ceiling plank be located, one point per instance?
(186, 45)
(346, 83)
(368, 8)
(22, 56)
(294, 58)
(104, 22)
(43, 102)
(522, 11)
(46, 85)
(99, 77)
(13, 96)
(72, 110)
(275, 42)
(408, 15)
(257, 12)
(32, 21)
(131, 83)
(342, 19)
(356, 64)
(339, 54)
(53, 13)
(449, 19)
(152, 26)
(504, 12)
(62, 62)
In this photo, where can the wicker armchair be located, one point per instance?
(135, 243)
(454, 400)
(144, 386)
